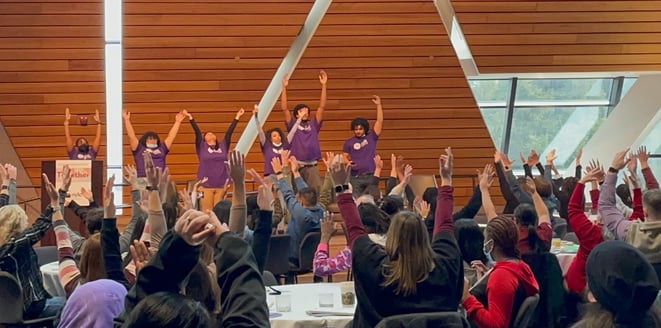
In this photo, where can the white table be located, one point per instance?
(306, 297)
(50, 273)
(565, 259)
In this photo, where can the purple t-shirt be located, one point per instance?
(212, 164)
(362, 151)
(158, 155)
(269, 151)
(74, 153)
(305, 144)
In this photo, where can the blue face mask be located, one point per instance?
(487, 253)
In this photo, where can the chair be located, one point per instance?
(278, 260)
(11, 298)
(46, 254)
(560, 230)
(306, 254)
(526, 312)
(269, 279)
(421, 182)
(571, 236)
(432, 319)
(551, 310)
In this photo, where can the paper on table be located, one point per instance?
(331, 312)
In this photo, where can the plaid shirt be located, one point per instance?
(19, 259)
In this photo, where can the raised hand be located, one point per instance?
(533, 158)
(255, 110)
(187, 114)
(88, 193)
(633, 179)
(643, 157)
(328, 159)
(293, 164)
(264, 197)
(185, 201)
(486, 176)
(284, 156)
(378, 162)
(550, 157)
(376, 100)
(239, 113)
(408, 173)
(593, 173)
(199, 183)
(153, 173)
(619, 161)
(276, 164)
(97, 116)
(578, 156)
(323, 77)
(12, 172)
(340, 173)
(327, 227)
(66, 178)
(507, 163)
(180, 116)
(194, 227)
(217, 227)
(140, 255)
(632, 165)
(109, 198)
(164, 183)
(236, 166)
(445, 163)
(126, 115)
(50, 190)
(285, 81)
(131, 176)
(4, 175)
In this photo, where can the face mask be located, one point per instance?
(487, 253)
(84, 148)
(152, 146)
(277, 145)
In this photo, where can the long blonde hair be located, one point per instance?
(409, 254)
(12, 221)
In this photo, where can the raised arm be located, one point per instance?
(636, 199)
(323, 79)
(97, 138)
(133, 140)
(355, 229)
(650, 180)
(283, 99)
(540, 207)
(10, 183)
(67, 133)
(292, 131)
(237, 171)
(504, 165)
(174, 130)
(323, 265)
(260, 130)
(378, 125)
(155, 225)
(608, 210)
(486, 179)
(579, 168)
(112, 257)
(196, 129)
(230, 129)
(445, 201)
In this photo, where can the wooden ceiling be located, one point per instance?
(562, 36)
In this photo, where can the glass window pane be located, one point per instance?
(554, 90)
(494, 118)
(491, 92)
(627, 84)
(653, 139)
(563, 128)
(655, 164)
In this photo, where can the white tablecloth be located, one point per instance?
(565, 260)
(306, 297)
(50, 275)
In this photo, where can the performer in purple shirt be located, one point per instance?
(82, 149)
(305, 143)
(273, 142)
(150, 142)
(212, 156)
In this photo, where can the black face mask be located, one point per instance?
(84, 148)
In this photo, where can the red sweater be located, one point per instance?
(503, 282)
(636, 198)
(589, 236)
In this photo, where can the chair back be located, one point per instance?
(526, 312)
(278, 260)
(423, 320)
(571, 236)
(560, 230)
(551, 310)
(421, 182)
(11, 298)
(46, 254)
(307, 249)
(269, 279)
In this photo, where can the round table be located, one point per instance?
(50, 274)
(305, 297)
(565, 259)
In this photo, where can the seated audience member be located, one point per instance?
(534, 223)
(155, 299)
(470, 240)
(305, 213)
(646, 236)
(82, 149)
(409, 274)
(327, 266)
(508, 284)
(93, 305)
(376, 222)
(17, 256)
(623, 287)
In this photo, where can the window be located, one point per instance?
(546, 113)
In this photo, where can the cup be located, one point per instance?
(326, 300)
(283, 303)
(348, 294)
(556, 242)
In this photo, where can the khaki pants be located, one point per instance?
(211, 197)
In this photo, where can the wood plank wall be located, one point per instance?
(562, 36)
(51, 57)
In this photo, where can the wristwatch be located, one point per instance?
(612, 169)
(341, 188)
(150, 188)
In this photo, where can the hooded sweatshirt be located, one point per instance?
(93, 305)
(504, 281)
